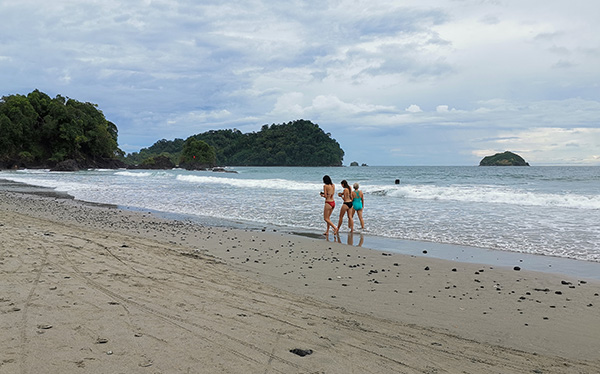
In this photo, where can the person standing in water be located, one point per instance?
(327, 193)
(358, 203)
(346, 195)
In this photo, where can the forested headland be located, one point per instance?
(506, 158)
(37, 131)
(296, 143)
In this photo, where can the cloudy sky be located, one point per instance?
(399, 82)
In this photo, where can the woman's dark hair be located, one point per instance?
(346, 185)
(327, 180)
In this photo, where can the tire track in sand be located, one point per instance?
(181, 323)
(24, 315)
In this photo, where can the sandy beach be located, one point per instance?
(96, 289)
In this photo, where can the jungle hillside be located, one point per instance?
(296, 143)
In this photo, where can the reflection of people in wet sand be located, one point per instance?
(327, 193)
(351, 239)
(358, 204)
(346, 208)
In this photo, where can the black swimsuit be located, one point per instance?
(348, 203)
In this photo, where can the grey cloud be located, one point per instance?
(158, 69)
(563, 64)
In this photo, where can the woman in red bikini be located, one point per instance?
(328, 192)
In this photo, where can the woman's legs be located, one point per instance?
(360, 218)
(350, 220)
(326, 215)
(343, 211)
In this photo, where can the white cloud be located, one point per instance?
(413, 108)
(289, 104)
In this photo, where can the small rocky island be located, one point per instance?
(503, 159)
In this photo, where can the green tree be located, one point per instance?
(197, 154)
(37, 129)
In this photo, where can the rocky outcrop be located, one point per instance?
(66, 165)
(223, 170)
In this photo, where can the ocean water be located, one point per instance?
(553, 211)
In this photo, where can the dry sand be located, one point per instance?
(92, 289)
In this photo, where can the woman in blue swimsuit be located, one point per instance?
(358, 203)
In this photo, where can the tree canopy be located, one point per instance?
(37, 130)
(196, 154)
(297, 143)
(167, 148)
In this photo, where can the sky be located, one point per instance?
(399, 82)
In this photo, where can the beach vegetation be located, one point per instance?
(170, 148)
(162, 161)
(36, 130)
(196, 154)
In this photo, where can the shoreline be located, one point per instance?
(452, 252)
(182, 297)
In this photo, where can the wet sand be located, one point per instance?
(96, 289)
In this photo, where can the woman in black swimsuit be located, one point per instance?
(346, 207)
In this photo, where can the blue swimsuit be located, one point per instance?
(357, 201)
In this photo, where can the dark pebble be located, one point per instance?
(516, 268)
(301, 352)
(426, 268)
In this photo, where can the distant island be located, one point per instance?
(63, 134)
(296, 143)
(503, 159)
